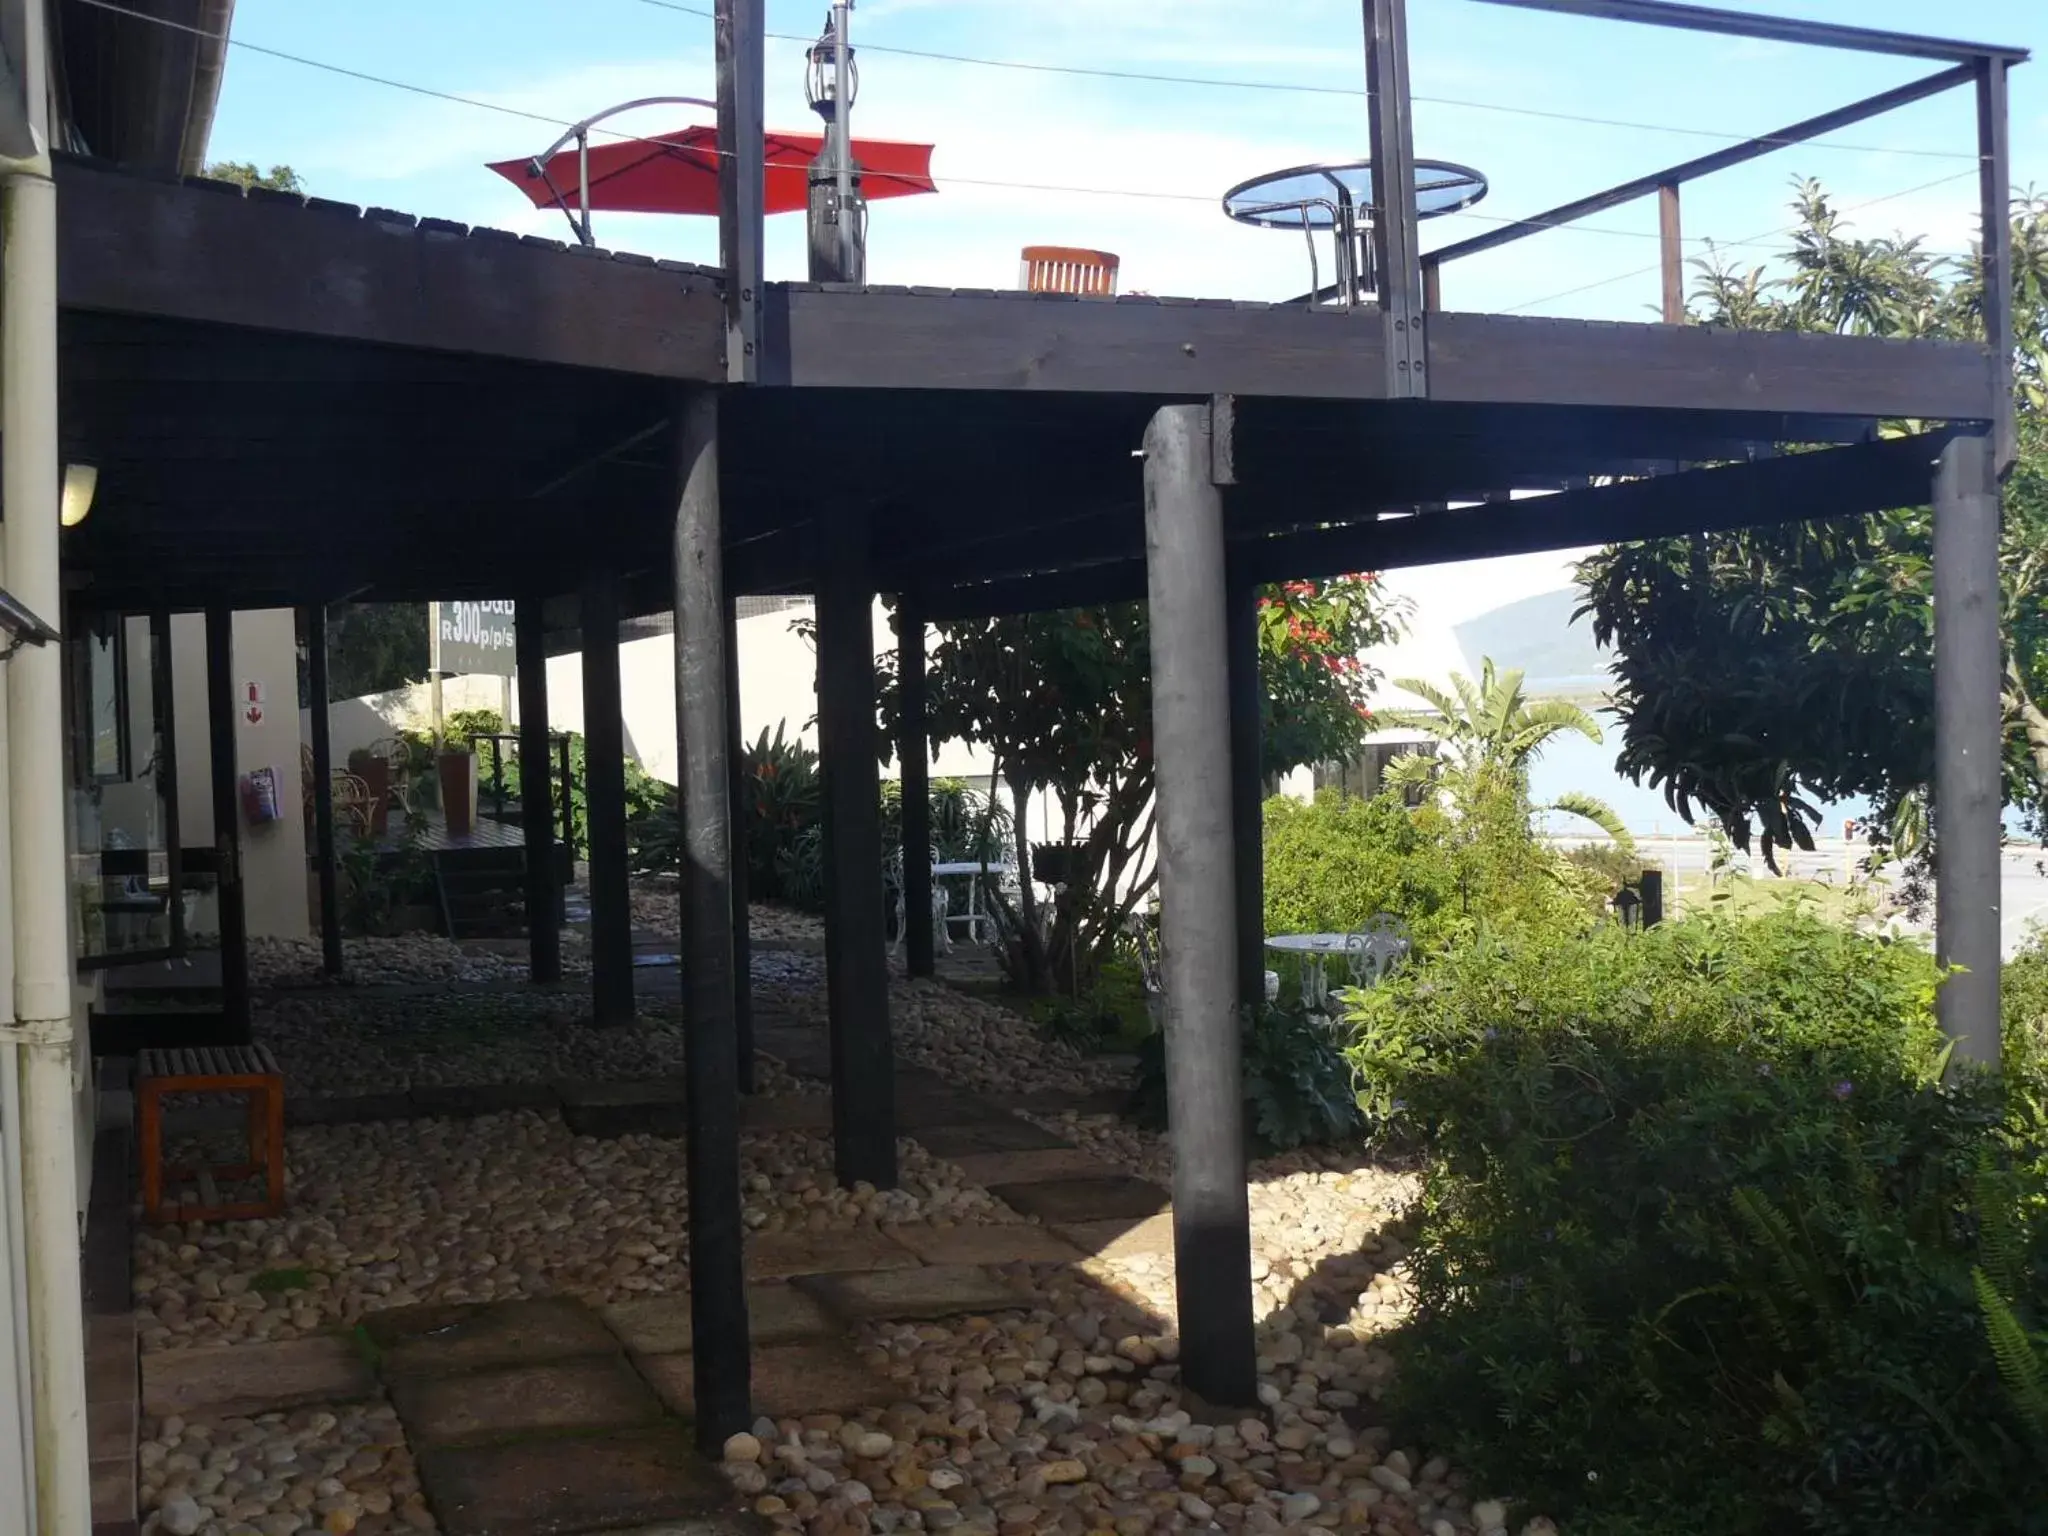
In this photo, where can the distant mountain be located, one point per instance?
(1558, 657)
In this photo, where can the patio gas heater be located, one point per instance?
(837, 214)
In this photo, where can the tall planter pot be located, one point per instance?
(457, 773)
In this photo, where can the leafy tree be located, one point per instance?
(1063, 702)
(375, 647)
(279, 178)
(1764, 670)
(1491, 731)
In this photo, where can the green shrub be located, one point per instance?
(1297, 1085)
(1697, 1243)
(1333, 864)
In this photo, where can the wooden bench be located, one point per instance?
(244, 1069)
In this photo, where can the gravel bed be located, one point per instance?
(390, 1213)
(327, 1471)
(657, 908)
(979, 1045)
(1070, 1418)
(411, 959)
(331, 1043)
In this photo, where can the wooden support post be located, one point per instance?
(1994, 184)
(324, 865)
(739, 41)
(221, 710)
(1396, 246)
(856, 965)
(742, 808)
(1184, 563)
(604, 803)
(536, 794)
(1968, 746)
(1247, 785)
(1653, 897)
(913, 750)
(718, 1293)
(1671, 247)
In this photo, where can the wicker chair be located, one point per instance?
(1070, 269)
(355, 804)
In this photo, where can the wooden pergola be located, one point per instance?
(294, 402)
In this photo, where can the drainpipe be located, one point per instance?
(30, 492)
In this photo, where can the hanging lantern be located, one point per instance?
(821, 74)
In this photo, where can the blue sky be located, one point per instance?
(1478, 71)
(1480, 74)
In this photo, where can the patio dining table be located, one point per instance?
(1315, 949)
(976, 917)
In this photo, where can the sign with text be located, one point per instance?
(476, 638)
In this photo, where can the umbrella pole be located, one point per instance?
(842, 131)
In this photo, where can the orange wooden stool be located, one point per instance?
(247, 1069)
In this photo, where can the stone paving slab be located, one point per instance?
(935, 1290)
(454, 1336)
(1000, 1133)
(787, 1112)
(789, 1380)
(660, 1325)
(572, 1396)
(1012, 1243)
(780, 1255)
(1116, 1197)
(241, 1379)
(1151, 1238)
(621, 1479)
(989, 1169)
(631, 1107)
(346, 1109)
(466, 1102)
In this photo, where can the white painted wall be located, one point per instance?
(273, 855)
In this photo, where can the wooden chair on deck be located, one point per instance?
(1070, 269)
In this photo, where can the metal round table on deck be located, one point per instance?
(1338, 198)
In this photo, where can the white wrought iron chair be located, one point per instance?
(1378, 949)
(942, 904)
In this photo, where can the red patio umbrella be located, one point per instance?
(678, 173)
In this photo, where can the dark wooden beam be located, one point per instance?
(1833, 482)
(1796, 487)
(898, 338)
(604, 803)
(913, 752)
(325, 866)
(856, 966)
(739, 31)
(1247, 784)
(718, 1290)
(1994, 196)
(1509, 359)
(204, 251)
(230, 889)
(537, 793)
(889, 339)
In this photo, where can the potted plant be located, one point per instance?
(1054, 863)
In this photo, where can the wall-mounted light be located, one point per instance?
(80, 481)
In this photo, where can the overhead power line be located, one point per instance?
(620, 136)
(1302, 88)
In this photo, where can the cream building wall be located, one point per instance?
(273, 855)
